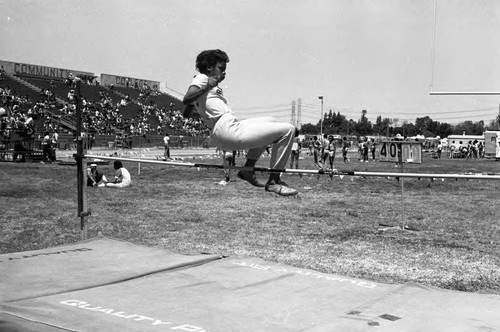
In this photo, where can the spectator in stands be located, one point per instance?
(122, 176)
(71, 96)
(70, 80)
(29, 122)
(229, 133)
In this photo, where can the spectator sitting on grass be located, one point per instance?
(94, 178)
(122, 177)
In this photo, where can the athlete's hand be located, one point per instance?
(214, 80)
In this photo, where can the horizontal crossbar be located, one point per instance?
(306, 171)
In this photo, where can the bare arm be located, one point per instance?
(90, 176)
(194, 92)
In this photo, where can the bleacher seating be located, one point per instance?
(143, 110)
(18, 88)
(131, 92)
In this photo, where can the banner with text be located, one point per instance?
(24, 69)
(124, 81)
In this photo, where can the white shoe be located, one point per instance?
(281, 189)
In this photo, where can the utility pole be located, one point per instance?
(299, 113)
(321, 120)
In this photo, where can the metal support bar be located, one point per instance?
(81, 163)
(305, 171)
(463, 93)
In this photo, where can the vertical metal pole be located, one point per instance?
(402, 196)
(81, 163)
(321, 120)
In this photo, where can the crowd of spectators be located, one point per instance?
(21, 113)
(100, 117)
(14, 116)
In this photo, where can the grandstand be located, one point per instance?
(113, 108)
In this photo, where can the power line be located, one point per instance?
(262, 107)
(264, 112)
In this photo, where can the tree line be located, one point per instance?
(337, 124)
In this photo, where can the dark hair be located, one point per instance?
(209, 58)
(117, 164)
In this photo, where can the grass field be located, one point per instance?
(334, 226)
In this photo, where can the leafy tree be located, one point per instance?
(470, 128)
(336, 123)
(423, 124)
(364, 127)
(493, 125)
(444, 130)
(308, 128)
(409, 129)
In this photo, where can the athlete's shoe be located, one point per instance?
(251, 178)
(281, 189)
(283, 183)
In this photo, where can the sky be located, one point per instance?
(382, 56)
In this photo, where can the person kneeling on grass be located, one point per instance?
(229, 133)
(122, 177)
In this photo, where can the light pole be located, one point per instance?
(321, 120)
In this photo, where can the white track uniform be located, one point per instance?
(229, 133)
(123, 175)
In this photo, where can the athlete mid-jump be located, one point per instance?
(229, 133)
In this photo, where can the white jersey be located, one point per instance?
(125, 178)
(211, 105)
